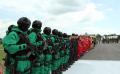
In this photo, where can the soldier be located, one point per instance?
(61, 51)
(73, 49)
(48, 51)
(36, 39)
(66, 51)
(56, 54)
(16, 46)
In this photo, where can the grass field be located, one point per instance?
(1, 47)
(2, 55)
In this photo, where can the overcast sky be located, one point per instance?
(70, 16)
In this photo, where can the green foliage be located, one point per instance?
(98, 36)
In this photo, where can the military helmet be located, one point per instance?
(47, 30)
(60, 34)
(64, 35)
(37, 24)
(24, 23)
(55, 32)
(73, 34)
(10, 27)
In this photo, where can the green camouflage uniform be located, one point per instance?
(48, 54)
(36, 39)
(56, 54)
(62, 51)
(16, 60)
(67, 42)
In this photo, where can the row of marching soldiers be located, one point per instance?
(30, 52)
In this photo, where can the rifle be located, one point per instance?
(44, 43)
(30, 47)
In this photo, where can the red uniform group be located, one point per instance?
(84, 45)
(79, 45)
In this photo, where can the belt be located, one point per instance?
(21, 58)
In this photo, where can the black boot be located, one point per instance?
(53, 72)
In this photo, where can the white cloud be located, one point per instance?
(89, 16)
(103, 30)
(66, 15)
(3, 26)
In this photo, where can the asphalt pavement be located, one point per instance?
(103, 59)
(104, 52)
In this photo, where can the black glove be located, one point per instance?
(31, 46)
(49, 41)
